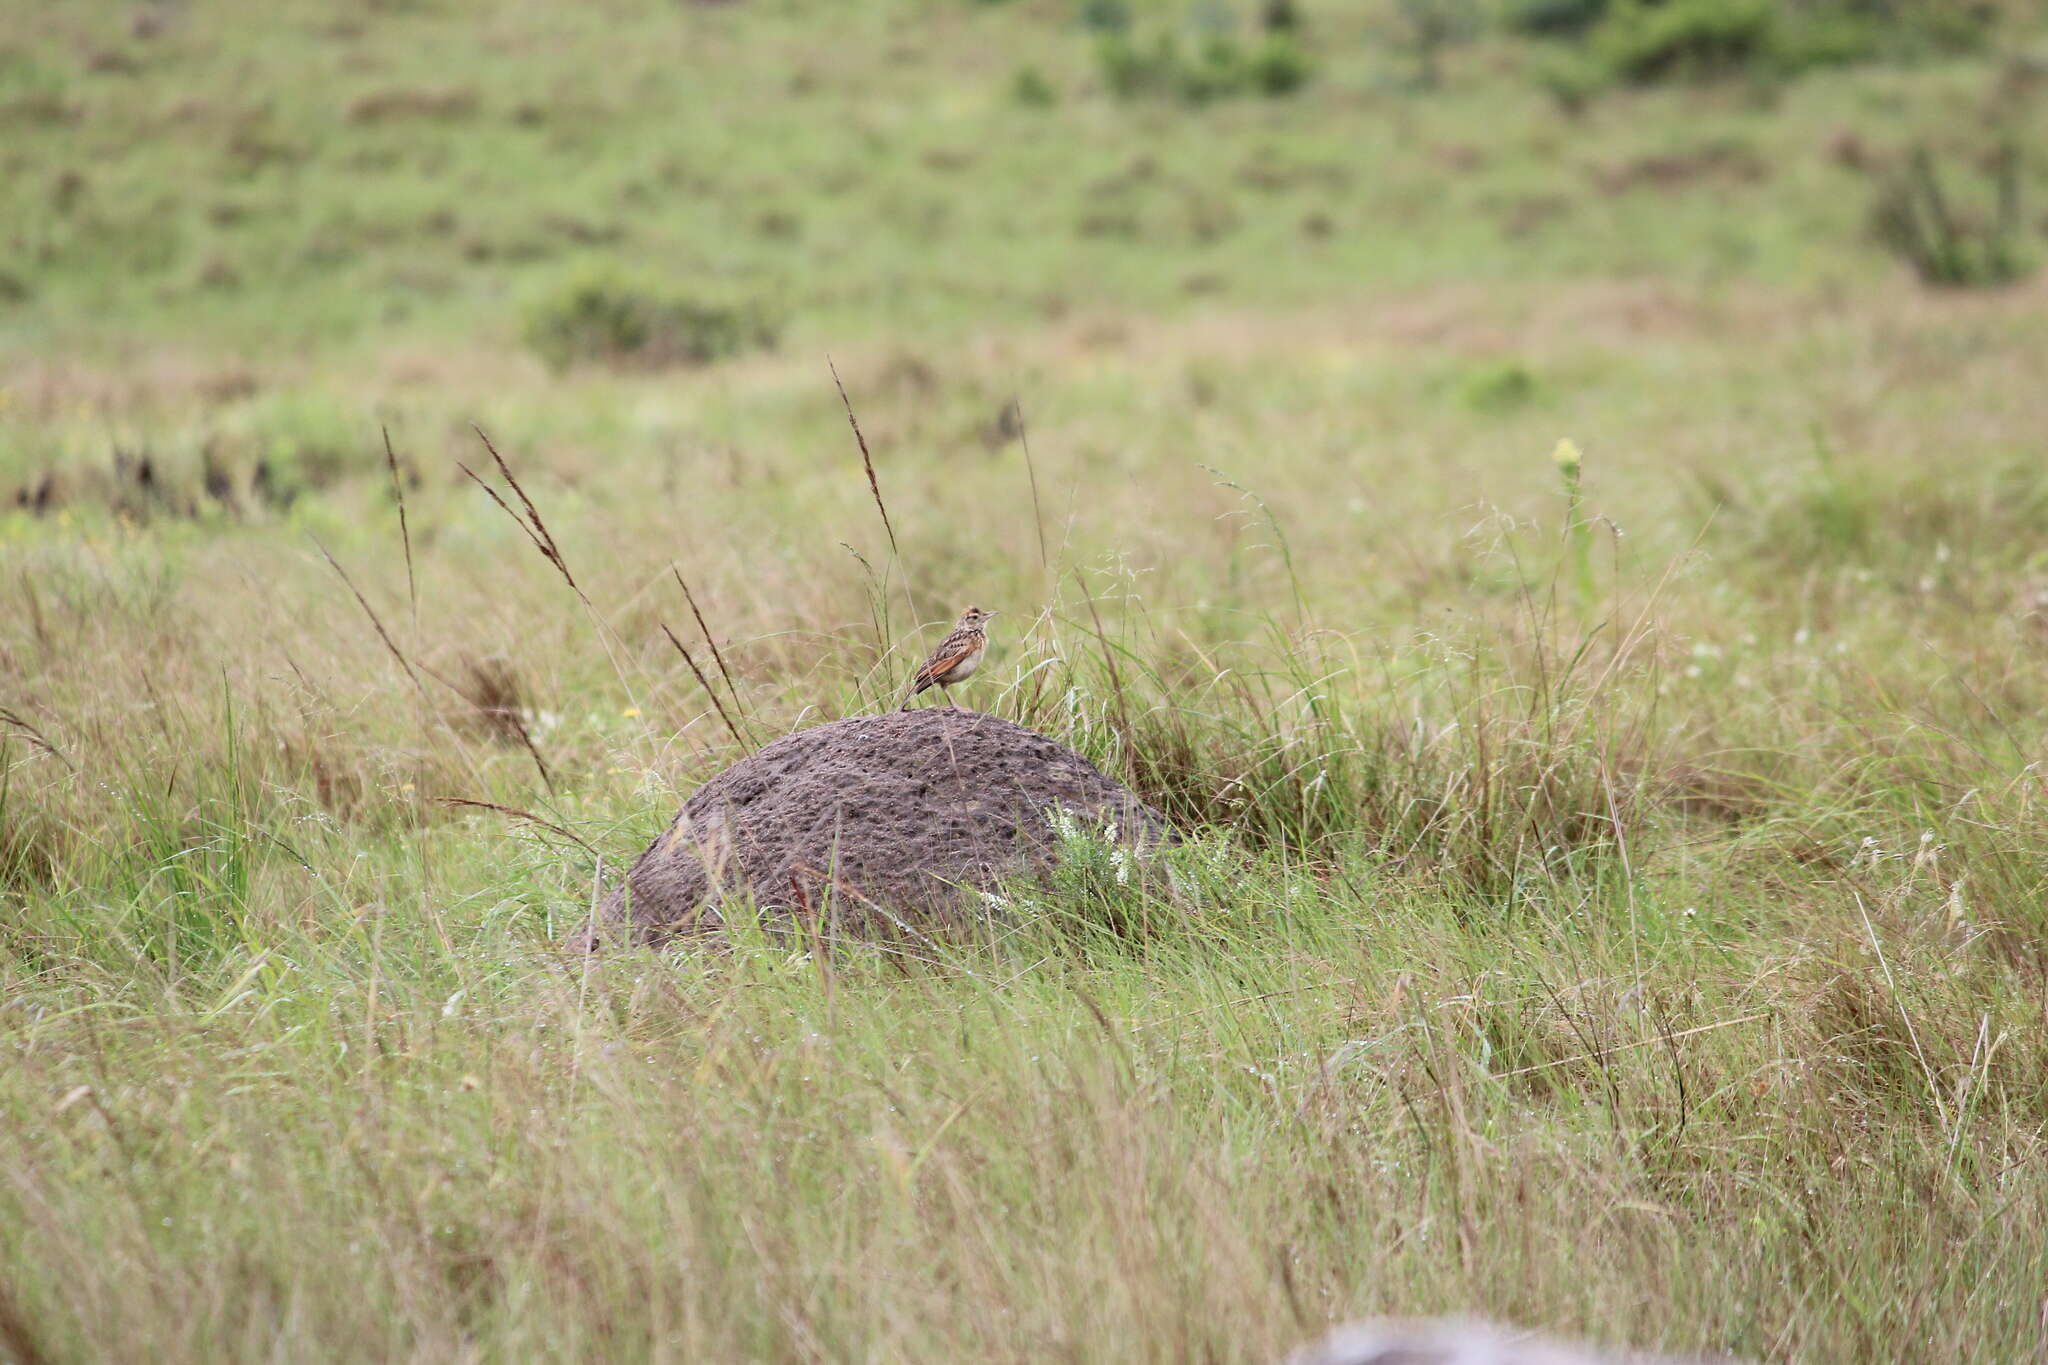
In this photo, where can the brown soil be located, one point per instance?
(875, 824)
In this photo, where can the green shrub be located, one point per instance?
(1901, 27)
(1219, 68)
(1906, 29)
(1571, 77)
(1106, 16)
(1278, 66)
(1942, 25)
(1497, 387)
(1130, 70)
(1216, 71)
(1030, 88)
(608, 321)
(1643, 43)
(1974, 246)
(1554, 18)
(1280, 16)
(1427, 29)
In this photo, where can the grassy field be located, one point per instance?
(1614, 898)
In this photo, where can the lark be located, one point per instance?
(956, 658)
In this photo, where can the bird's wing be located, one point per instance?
(944, 660)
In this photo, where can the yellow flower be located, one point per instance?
(630, 712)
(1567, 456)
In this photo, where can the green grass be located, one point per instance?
(417, 171)
(1613, 904)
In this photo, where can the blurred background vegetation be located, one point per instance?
(271, 200)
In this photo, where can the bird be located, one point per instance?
(956, 658)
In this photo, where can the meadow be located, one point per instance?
(1613, 894)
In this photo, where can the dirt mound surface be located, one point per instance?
(875, 822)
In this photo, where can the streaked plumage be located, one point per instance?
(957, 656)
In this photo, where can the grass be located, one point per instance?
(1612, 900)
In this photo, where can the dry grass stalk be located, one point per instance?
(494, 691)
(412, 587)
(717, 656)
(1031, 473)
(526, 816)
(35, 737)
(376, 621)
(536, 529)
(709, 690)
(867, 460)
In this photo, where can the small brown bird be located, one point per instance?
(957, 656)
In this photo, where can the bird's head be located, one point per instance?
(974, 618)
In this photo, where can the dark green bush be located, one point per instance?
(1571, 77)
(1031, 89)
(1280, 16)
(1216, 71)
(1823, 38)
(1278, 66)
(1106, 16)
(1555, 18)
(1498, 387)
(1945, 25)
(1642, 43)
(607, 321)
(1130, 69)
(1972, 245)
(1218, 68)
(1427, 29)
(1904, 29)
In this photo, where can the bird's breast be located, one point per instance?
(966, 665)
